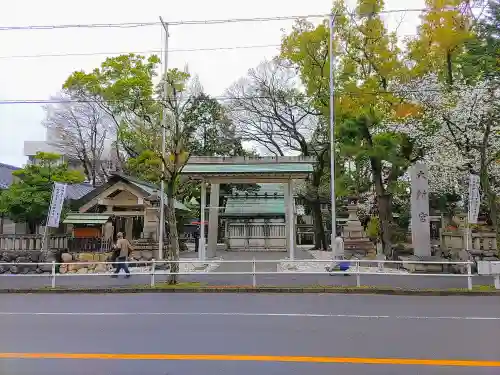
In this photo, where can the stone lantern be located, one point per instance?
(153, 199)
(356, 244)
(152, 215)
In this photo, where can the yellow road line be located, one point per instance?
(255, 358)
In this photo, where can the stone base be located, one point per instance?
(200, 267)
(257, 249)
(424, 268)
(359, 249)
(10, 261)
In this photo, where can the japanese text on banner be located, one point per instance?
(474, 198)
(56, 205)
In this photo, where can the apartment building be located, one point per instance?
(108, 164)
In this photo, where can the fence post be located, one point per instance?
(153, 269)
(497, 281)
(469, 276)
(53, 277)
(254, 278)
(358, 276)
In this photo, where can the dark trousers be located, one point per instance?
(120, 266)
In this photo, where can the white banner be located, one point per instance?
(56, 205)
(474, 198)
(420, 226)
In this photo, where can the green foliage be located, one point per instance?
(369, 112)
(482, 60)
(124, 83)
(28, 198)
(441, 40)
(373, 228)
(123, 86)
(214, 133)
(369, 63)
(446, 203)
(146, 166)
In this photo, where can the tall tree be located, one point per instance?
(123, 87)
(467, 140)
(374, 122)
(441, 40)
(214, 132)
(483, 51)
(269, 109)
(178, 97)
(81, 130)
(28, 198)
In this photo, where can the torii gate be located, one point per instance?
(244, 170)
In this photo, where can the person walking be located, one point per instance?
(196, 236)
(123, 248)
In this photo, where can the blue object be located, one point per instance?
(344, 266)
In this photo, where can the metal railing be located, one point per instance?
(155, 268)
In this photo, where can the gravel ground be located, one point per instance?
(307, 266)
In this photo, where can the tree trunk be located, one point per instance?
(173, 236)
(449, 69)
(319, 228)
(491, 198)
(31, 226)
(384, 213)
(315, 204)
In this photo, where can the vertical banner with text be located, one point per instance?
(56, 205)
(420, 226)
(474, 199)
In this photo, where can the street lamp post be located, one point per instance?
(332, 137)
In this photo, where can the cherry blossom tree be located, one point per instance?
(466, 135)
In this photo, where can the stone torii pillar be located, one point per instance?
(213, 221)
(290, 219)
(201, 247)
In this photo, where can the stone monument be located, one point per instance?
(420, 227)
(356, 244)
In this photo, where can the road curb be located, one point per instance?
(243, 289)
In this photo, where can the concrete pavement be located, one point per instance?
(275, 279)
(333, 326)
(217, 277)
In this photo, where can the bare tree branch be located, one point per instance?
(268, 108)
(81, 130)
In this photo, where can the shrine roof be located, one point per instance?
(292, 167)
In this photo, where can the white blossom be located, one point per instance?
(464, 131)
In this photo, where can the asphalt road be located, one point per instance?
(332, 327)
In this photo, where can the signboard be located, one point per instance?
(474, 198)
(56, 205)
(420, 226)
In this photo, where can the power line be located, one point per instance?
(76, 54)
(152, 51)
(220, 98)
(126, 25)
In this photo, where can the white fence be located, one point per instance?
(376, 267)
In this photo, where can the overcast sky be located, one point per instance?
(39, 78)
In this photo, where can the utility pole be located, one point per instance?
(163, 141)
(332, 136)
